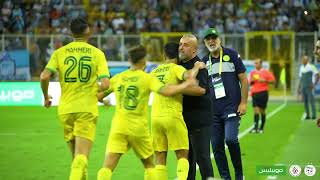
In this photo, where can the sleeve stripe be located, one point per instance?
(103, 76)
(51, 70)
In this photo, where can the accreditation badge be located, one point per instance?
(218, 86)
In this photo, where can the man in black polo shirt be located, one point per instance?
(226, 72)
(197, 111)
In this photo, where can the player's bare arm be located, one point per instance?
(44, 81)
(105, 82)
(194, 91)
(171, 90)
(242, 109)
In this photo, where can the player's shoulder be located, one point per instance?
(174, 65)
(144, 74)
(155, 69)
(177, 67)
(116, 78)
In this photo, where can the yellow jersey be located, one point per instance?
(132, 90)
(168, 74)
(79, 65)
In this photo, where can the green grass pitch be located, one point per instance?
(32, 145)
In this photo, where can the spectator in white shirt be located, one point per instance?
(309, 77)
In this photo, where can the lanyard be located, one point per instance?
(220, 64)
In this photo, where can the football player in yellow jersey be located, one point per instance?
(130, 125)
(79, 66)
(169, 130)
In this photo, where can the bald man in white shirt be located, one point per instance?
(309, 77)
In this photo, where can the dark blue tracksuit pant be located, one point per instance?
(225, 130)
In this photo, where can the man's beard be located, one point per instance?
(182, 57)
(213, 49)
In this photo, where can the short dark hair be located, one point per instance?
(137, 53)
(78, 26)
(171, 50)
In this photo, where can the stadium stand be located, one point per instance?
(131, 17)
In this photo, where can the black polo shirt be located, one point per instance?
(197, 110)
(232, 65)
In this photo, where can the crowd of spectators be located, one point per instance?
(134, 16)
(110, 17)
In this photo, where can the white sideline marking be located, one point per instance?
(303, 116)
(245, 132)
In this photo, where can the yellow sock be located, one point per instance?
(161, 172)
(150, 174)
(79, 163)
(85, 174)
(104, 174)
(182, 169)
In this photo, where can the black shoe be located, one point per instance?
(306, 118)
(313, 118)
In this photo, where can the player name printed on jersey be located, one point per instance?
(164, 69)
(79, 50)
(130, 79)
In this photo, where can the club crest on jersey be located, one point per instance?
(226, 58)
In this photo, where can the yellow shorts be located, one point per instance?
(79, 124)
(121, 143)
(169, 133)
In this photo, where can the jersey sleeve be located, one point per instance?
(103, 71)
(270, 76)
(155, 84)
(179, 71)
(53, 63)
(239, 66)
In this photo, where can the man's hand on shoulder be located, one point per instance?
(200, 65)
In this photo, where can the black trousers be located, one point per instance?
(199, 152)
